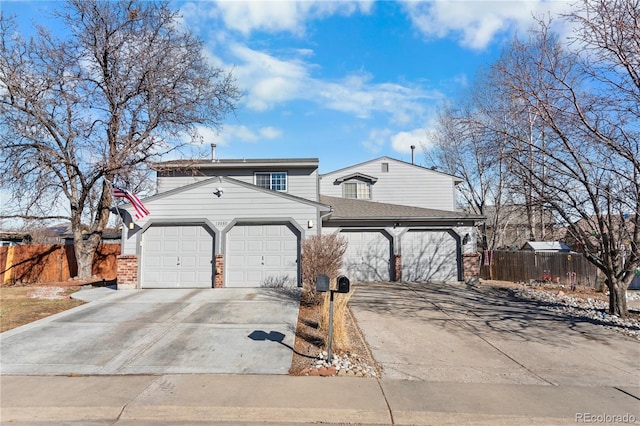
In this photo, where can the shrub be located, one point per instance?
(321, 254)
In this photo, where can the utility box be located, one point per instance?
(343, 284)
(322, 283)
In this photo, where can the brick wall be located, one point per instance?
(471, 267)
(127, 272)
(397, 265)
(219, 276)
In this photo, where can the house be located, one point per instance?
(510, 226)
(546, 246)
(14, 239)
(240, 223)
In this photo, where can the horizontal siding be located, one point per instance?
(236, 202)
(301, 182)
(403, 184)
(165, 184)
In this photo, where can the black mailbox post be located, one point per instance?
(322, 286)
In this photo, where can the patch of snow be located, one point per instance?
(49, 293)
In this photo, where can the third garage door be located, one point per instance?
(368, 255)
(429, 256)
(262, 255)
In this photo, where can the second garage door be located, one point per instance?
(368, 256)
(177, 256)
(429, 256)
(262, 255)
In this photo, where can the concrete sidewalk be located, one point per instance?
(184, 399)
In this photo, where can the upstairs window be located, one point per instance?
(276, 181)
(357, 190)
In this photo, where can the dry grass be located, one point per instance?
(310, 340)
(20, 305)
(340, 319)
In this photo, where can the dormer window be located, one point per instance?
(276, 181)
(356, 185)
(357, 190)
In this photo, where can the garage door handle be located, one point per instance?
(178, 261)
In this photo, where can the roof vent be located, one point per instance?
(213, 152)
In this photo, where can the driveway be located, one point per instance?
(456, 333)
(234, 331)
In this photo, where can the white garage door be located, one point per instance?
(429, 256)
(368, 256)
(261, 255)
(177, 257)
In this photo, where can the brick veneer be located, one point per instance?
(397, 267)
(219, 276)
(127, 272)
(471, 267)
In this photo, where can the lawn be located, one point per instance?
(20, 305)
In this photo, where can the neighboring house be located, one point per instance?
(546, 246)
(14, 239)
(513, 228)
(240, 223)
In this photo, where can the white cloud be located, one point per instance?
(277, 16)
(270, 81)
(267, 79)
(402, 141)
(233, 133)
(270, 132)
(477, 23)
(377, 139)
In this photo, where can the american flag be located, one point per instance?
(141, 210)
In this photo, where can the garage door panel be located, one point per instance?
(270, 256)
(368, 256)
(177, 256)
(429, 256)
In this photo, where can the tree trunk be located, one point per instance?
(617, 298)
(85, 251)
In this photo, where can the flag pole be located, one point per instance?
(113, 200)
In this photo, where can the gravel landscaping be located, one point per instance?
(583, 303)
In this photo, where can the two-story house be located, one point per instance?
(240, 223)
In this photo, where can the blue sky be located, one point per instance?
(339, 80)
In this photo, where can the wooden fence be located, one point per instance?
(524, 266)
(50, 263)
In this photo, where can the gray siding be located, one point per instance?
(237, 202)
(300, 182)
(403, 184)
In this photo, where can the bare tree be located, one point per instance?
(469, 142)
(97, 106)
(587, 152)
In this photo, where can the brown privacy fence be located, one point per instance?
(524, 266)
(48, 263)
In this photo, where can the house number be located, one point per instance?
(222, 223)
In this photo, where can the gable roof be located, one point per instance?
(545, 246)
(426, 169)
(350, 209)
(221, 179)
(359, 176)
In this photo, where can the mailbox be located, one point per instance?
(343, 284)
(322, 283)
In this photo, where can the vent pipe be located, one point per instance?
(213, 152)
(413, 149)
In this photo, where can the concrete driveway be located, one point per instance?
(456, 333)
(234, 331)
